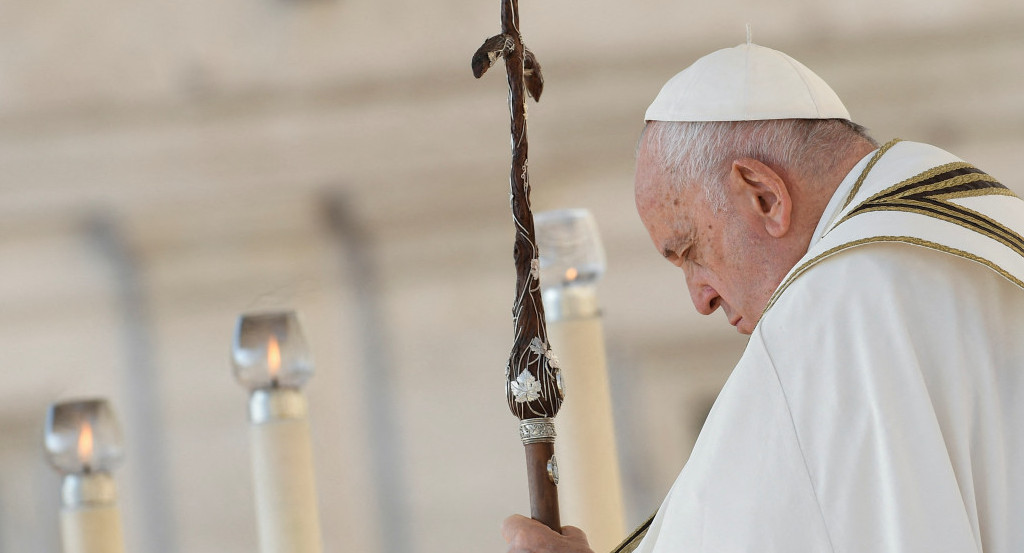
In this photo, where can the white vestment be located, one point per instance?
(879, 405)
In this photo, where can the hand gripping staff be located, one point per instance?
(533, 380)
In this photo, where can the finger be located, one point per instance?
(536, 537)
(511, 526)
(575, 534)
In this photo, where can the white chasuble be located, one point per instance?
(879, 405)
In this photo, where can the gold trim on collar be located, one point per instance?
(867, 169)
(929, 194)
(632, 541)
(901, 239)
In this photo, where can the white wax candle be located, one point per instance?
(91, 529)
(590, 487)
(90, 521)
(282, 462)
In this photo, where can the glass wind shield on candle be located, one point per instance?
(83, 441)
(572, 261)
(269, 351)
(83, 437)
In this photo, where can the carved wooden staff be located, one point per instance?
(533, 380)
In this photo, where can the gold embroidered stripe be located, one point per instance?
(930, 193)
(630, 544)
(867, 169)
(903, 239)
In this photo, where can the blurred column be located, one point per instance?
(356, 254)
(144, 429)
(590, 488)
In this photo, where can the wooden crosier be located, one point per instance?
(533, 380)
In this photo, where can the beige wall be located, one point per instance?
(208, 137)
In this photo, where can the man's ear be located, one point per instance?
(762, 194)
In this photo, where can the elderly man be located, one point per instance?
(878, 405)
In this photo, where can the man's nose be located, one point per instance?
(705, 298)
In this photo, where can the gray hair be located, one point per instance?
(698, 152)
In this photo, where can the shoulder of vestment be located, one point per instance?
(919, 195)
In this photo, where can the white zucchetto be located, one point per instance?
(746, 83)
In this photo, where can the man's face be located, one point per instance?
(720, 252)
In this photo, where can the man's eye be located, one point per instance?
(677, 258)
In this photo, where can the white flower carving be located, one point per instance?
(525, 387)
(540, 348)
(552, 360)
(535, 269)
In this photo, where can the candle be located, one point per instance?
(83, 441)
(271, 359)
(571, 263)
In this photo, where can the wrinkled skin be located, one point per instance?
(734, 258)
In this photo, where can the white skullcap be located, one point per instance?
(745, 83)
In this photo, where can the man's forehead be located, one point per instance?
(655, 187)
(652, 178)
(665, 207)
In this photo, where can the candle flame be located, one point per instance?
(85, 443)
(571, 273)
(273, 356)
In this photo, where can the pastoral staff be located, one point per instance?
(879, 405)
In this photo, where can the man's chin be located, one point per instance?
(742, 327)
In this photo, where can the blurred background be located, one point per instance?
(166, 166)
